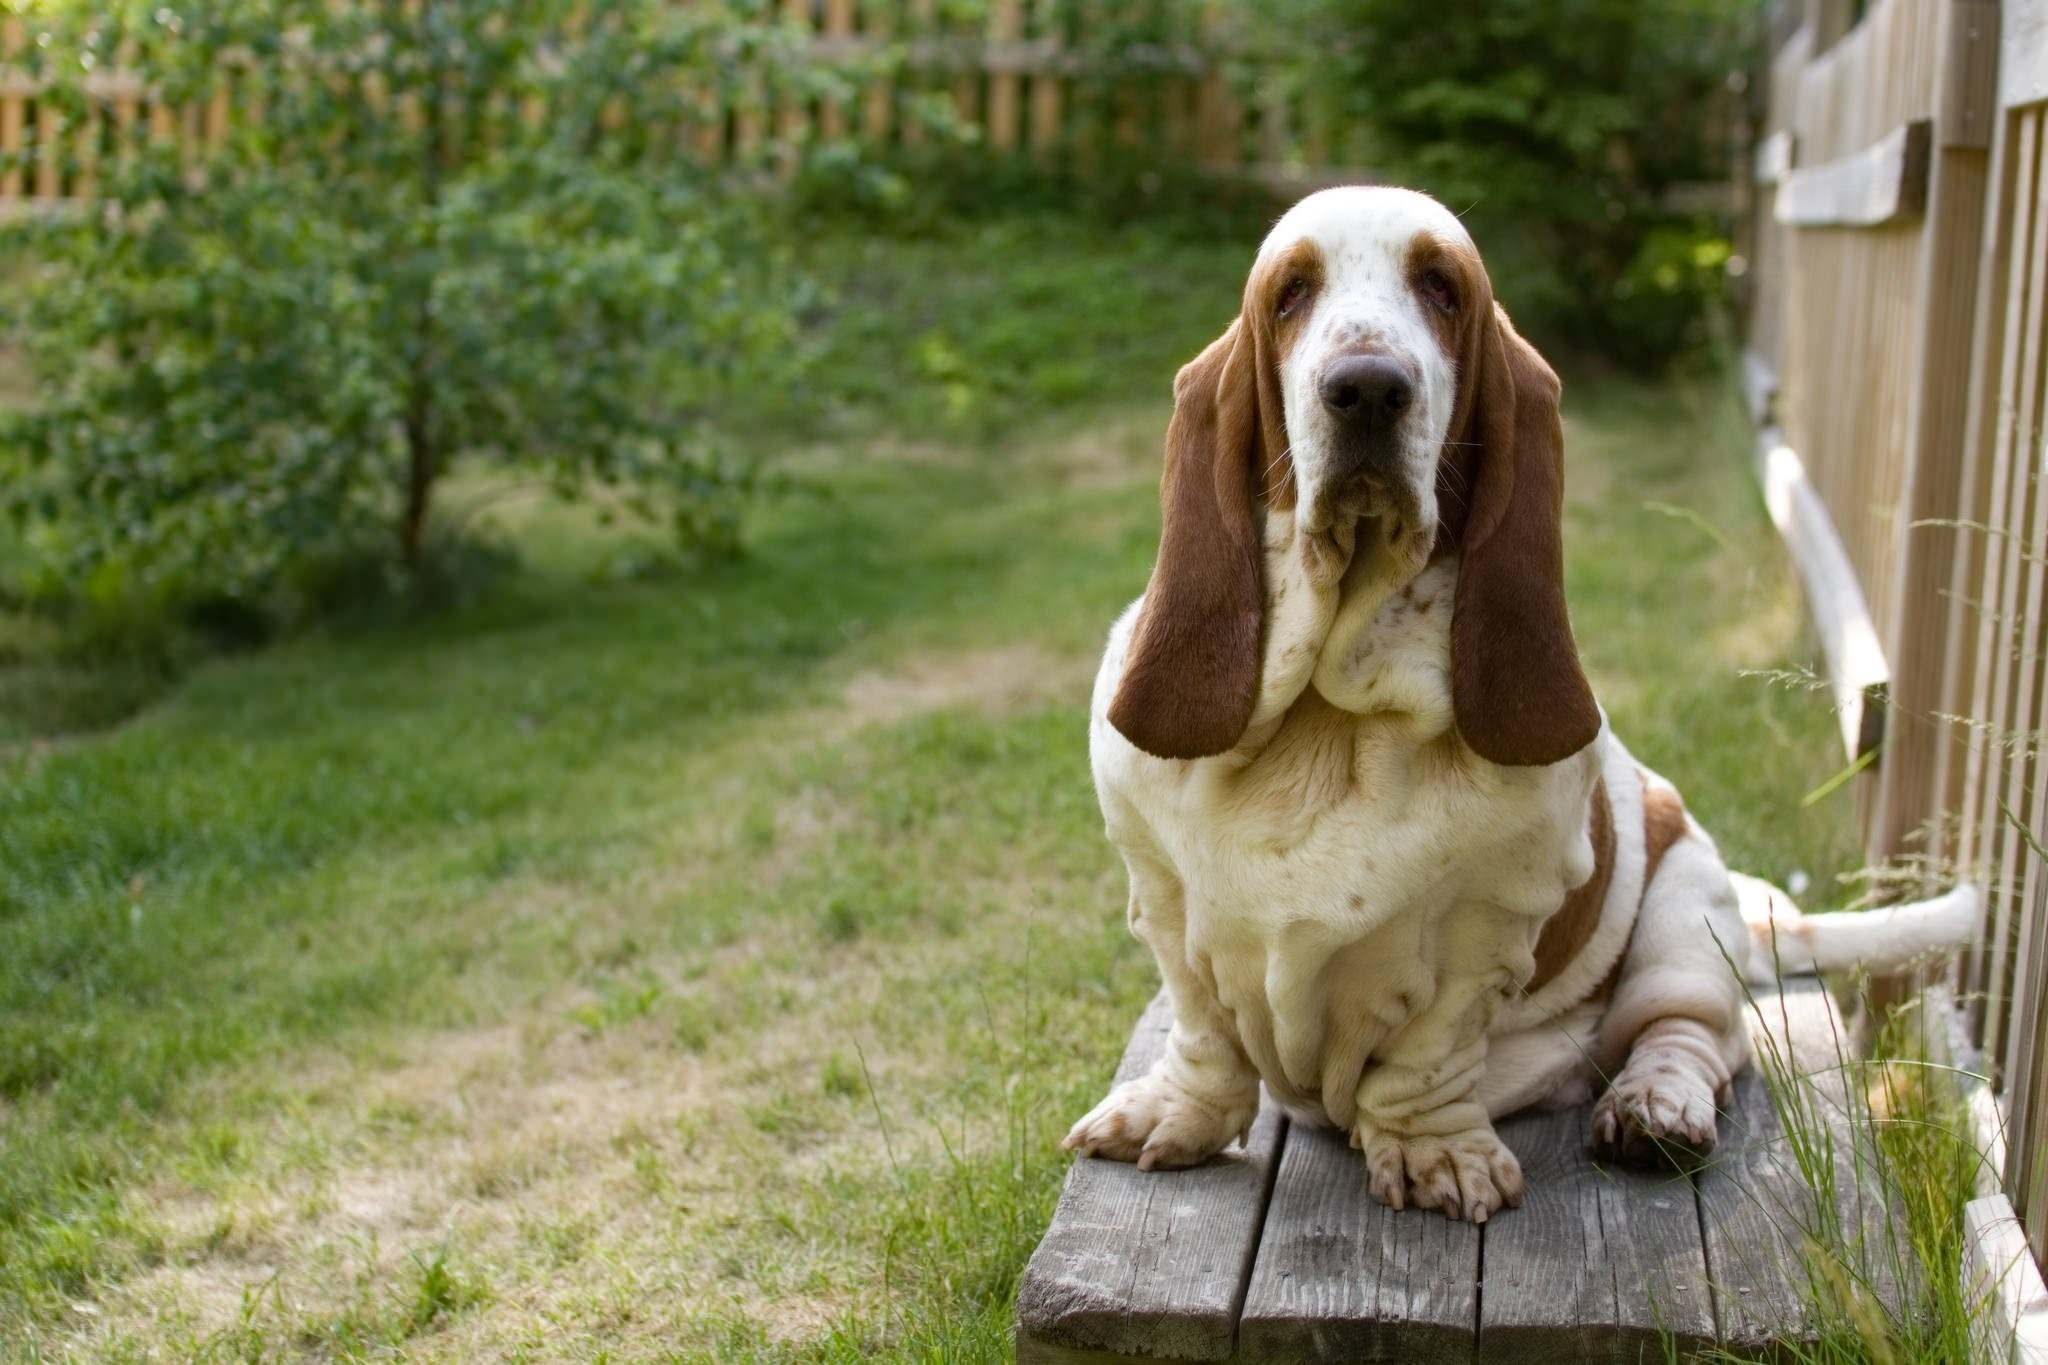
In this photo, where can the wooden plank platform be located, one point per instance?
(1276, 1253)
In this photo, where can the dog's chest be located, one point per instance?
(1343, 865)
(1360, 804)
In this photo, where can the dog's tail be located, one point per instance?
(1785, 941)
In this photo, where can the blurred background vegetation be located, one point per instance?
(462, 240)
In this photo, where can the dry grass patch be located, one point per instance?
(589, 1178)
(992, 681)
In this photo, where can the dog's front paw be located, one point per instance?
(1465, 1175)
(1158, 1124)
(1655, 1117)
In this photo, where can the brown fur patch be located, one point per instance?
(1663, 825)
(1567, 931)
(1191, 674)
(1564, 935)
(1516, 685)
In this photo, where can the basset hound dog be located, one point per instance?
(1392, 860)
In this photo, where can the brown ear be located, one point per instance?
(1191, 674)
(1516, 686)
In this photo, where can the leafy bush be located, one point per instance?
(1559, 129)
(457, 232)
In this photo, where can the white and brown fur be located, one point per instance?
(1391, 859)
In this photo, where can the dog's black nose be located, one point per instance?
(1366, 388)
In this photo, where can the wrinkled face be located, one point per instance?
(1368, 289)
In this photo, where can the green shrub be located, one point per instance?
(1558, 129)
(456, 233)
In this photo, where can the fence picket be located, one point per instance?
(1045, 85)
(13, 109)
(1005, 29)
(879, 104)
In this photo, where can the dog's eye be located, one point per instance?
(1292, 295)
(1438, 289)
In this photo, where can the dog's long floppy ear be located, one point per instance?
(1517, 690)
(1191, 673)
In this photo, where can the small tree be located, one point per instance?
(435, 231)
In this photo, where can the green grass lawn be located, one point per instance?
(707, 964)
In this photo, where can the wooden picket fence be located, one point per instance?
(1898, 365)
(1014, 79)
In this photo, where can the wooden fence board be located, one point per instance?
(13, 114)
(1960, 760)
(1857, 670)
(1885, 182)
(2018, 583)
(2023, 53)
(1005, 89)
(1942, 306)
(1046, 89)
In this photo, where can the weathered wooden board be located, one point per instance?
(1600, 1263)
(1147, 1265)
(1753, 1206)
(1773, 158)
(2023, 59)
(1858, 674)
(1885, 181)
(1757, 1209)
(1341, 1277)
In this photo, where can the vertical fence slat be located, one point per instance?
(1936, 331)
(127, 102)
(85, 184)
(1045, 85)
(49, 147)
(792, 119)
(1219, 117)
(1005, 32)
(1978, 575)
(879, 103)
(838, 29)
(963, 44)
(919, 28)
(2026, 1155)
(2018, 872)
(2010, 706)
(13, 107)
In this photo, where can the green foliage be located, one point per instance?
(971, 328)
(452, 235)
(1559, 129)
